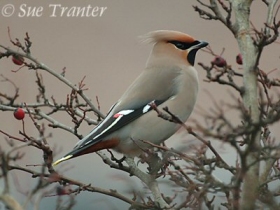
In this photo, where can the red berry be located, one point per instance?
(19, 113)
(219, 61)
(239, 59)
(18, 60)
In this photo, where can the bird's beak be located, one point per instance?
(201, 44)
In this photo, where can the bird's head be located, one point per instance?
(174, 44)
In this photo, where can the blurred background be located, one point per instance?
(106, 50)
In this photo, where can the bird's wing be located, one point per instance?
(152, 86)
(115, 121)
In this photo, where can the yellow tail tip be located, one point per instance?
(62, 159)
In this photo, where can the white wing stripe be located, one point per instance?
(146, 108)
(114, 123)
(125, 112)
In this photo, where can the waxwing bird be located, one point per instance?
(169, 80)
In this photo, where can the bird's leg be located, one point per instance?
(118, 161)
(156, 165)
(154, 161)
(151, 157)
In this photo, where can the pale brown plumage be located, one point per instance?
(169, 79)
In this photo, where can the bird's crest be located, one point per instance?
(166, 35)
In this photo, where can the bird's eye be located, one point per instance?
(181, 45)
